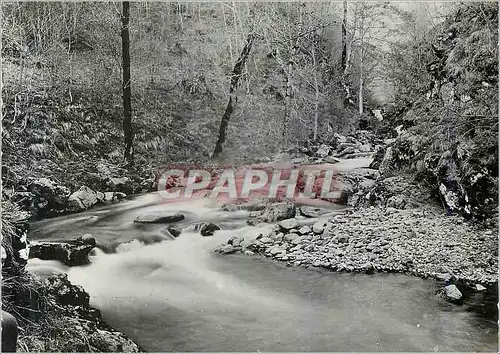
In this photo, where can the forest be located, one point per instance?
(98, 97)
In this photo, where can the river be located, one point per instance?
(176, 295)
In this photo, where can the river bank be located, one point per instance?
(420, 241)
(53, 314)
(65, 322)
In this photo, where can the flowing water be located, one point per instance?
(176, 295)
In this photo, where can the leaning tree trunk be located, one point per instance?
(235, 77)
(127, 94)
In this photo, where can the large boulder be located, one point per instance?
(82, 199)
(71, 253)
(121, 184)
(464, 182)
(256, 204)
(159, 218)
(275, 212)
(50, 197)
(400, 153)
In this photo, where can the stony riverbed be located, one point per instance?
(421, 241)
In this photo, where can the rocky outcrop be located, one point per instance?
(71, 253)
(159, 218)
(49, 198)
(89, 332)
(398, 192)
(45, 198)
(461, 180)
(66, 293)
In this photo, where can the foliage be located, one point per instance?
(181, 58)
(449, 101)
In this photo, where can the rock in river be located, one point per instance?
(275, 212)
(159, 218)
(174, 231)
(450, 293)
(71, 253)
(208, 229)
(479, 287)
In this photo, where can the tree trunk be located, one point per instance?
(361, 65)
(360, 95)
(237, 70)
(127, 105)
(286, 102)
(344, 38)
(316, 88)
(346, 58)
(287, 70)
